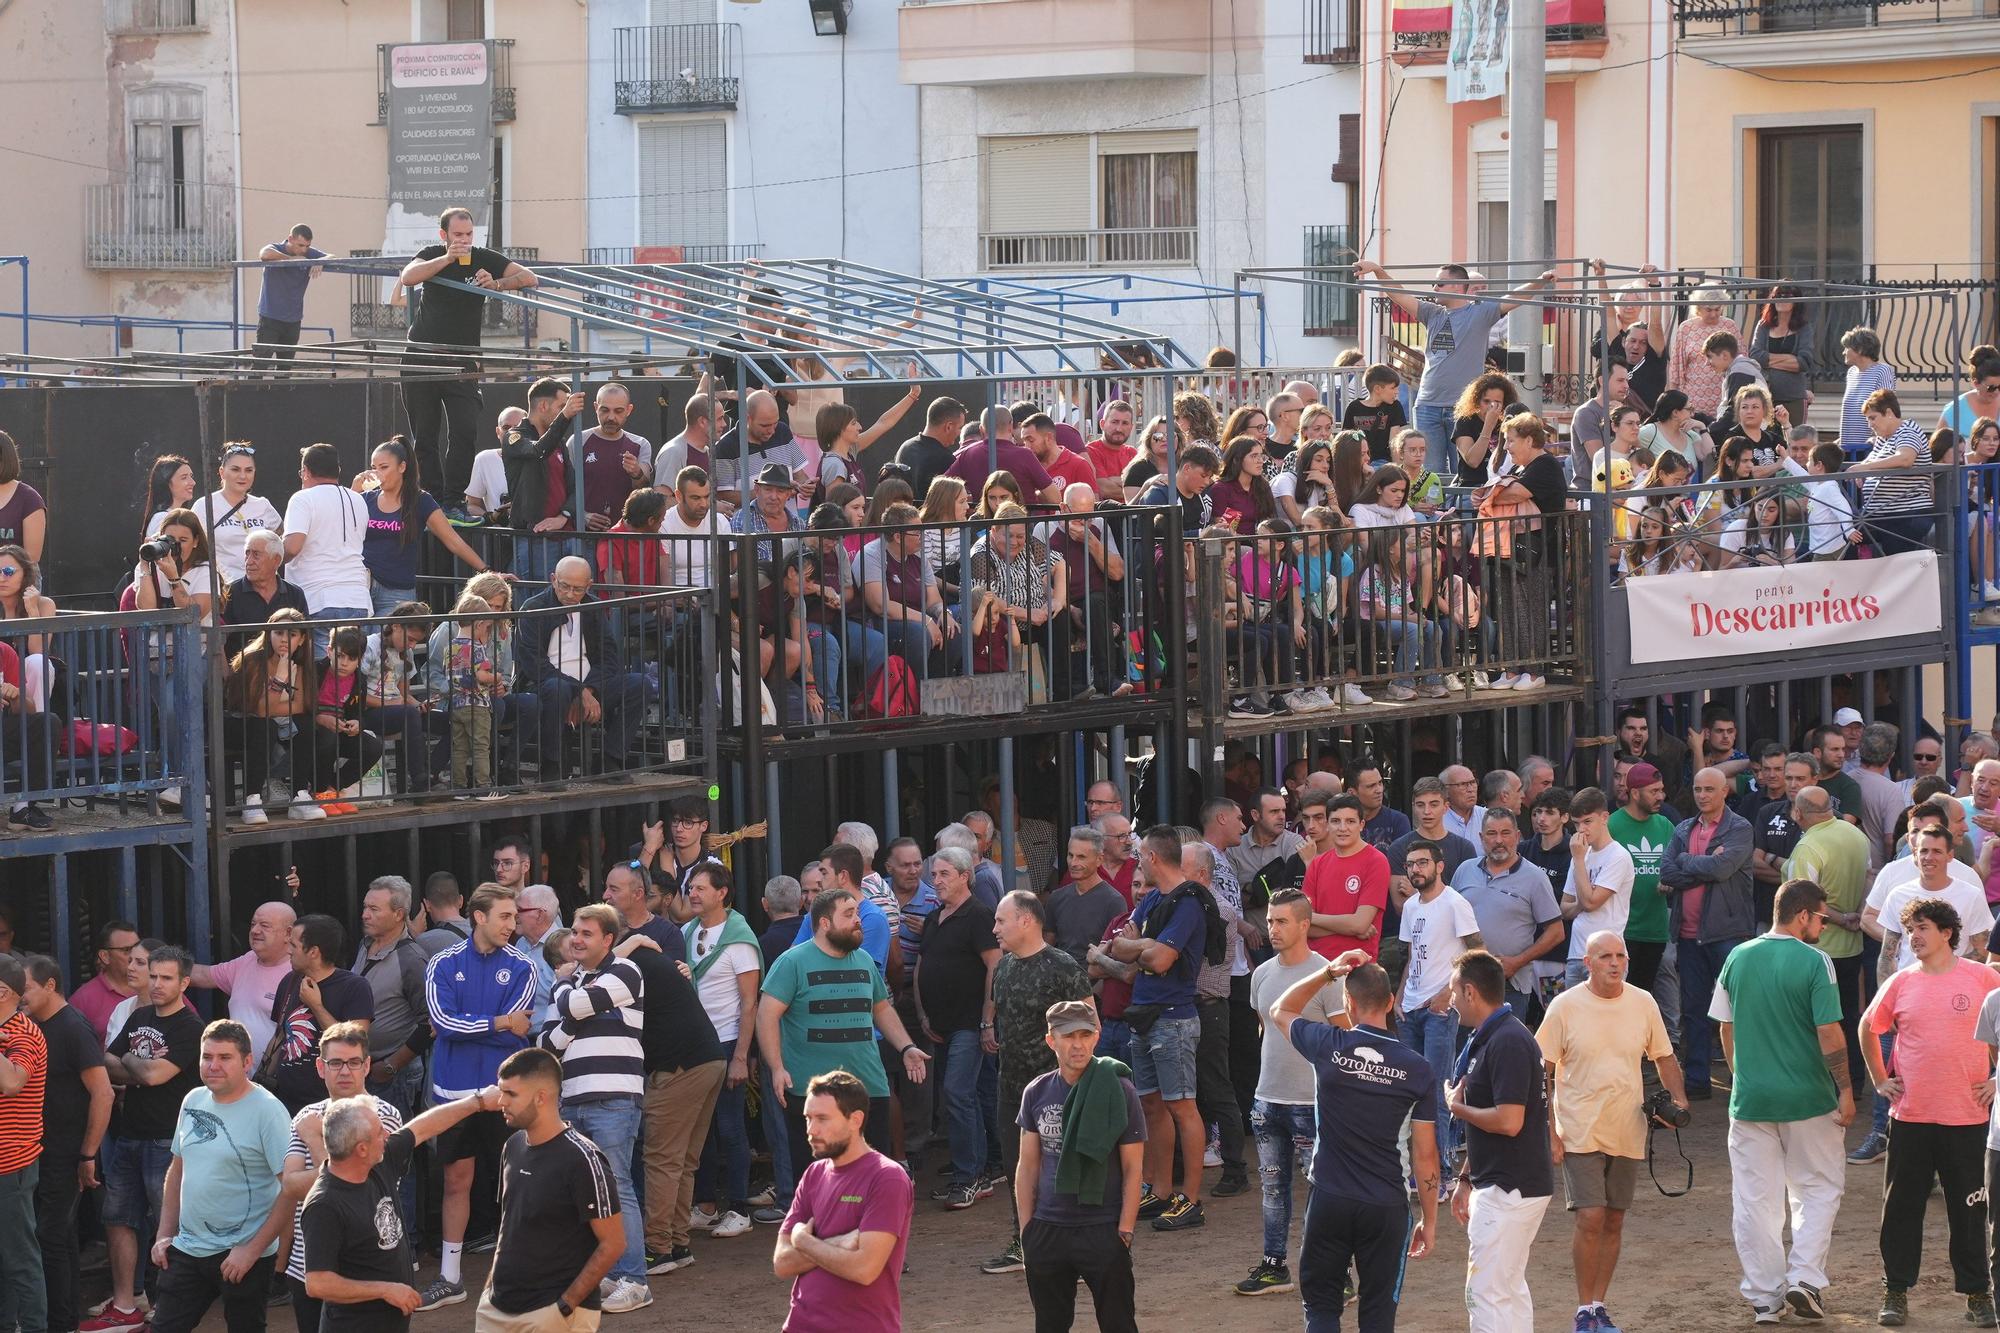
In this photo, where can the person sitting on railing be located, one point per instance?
(689, 448)
(1241, 497)
(773, 494)
(1896, 512)
(1384, 501)
(1016, 566)
(269, 701)
(170, 484)
(24, 515)
(902, 596)
(391, 488)
(21, 599)
(996, 450)
(391, 707)
(540, 480)
(1305, 481)
(1391, 601)
(1092, 564)
(568, 656)
(1476, 435)
(251, 599)
(338, 709)
(27, 735)
(625, 558)
(231, 513)
(1148, 466)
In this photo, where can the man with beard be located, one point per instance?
(849, 1279)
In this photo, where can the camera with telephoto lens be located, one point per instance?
(156, 550)
(1660, 1106)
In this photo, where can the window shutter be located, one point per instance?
(683, 183)
(1036, 184)
(1492, 172)
(674, 12)
(1347, 170)
(1147, 141)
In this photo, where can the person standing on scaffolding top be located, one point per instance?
(450, 316)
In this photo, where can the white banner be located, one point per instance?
(1747, 612)
(1476, 65)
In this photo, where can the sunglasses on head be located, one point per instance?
(236, 449)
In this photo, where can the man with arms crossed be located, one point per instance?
(1789, 1101)
(849, 1280)
(1594, 1039)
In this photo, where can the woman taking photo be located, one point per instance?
(1307, 480)
(232, 513)
(1519, 594)
(1241, 496)
(1486, 402)
(169, 485)
(392, 489)
(1782, 343)
(179, 578)
(270, 697)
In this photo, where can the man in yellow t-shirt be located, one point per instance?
(1593, 1039)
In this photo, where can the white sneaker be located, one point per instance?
(1399, 694)
(1353, 696)
(764, 1198)
(253, 810)
(1321, 699)
(1529, 683)
(626, 1295)
(171, 796)
(1300, 701)
(350, 791)
(1991, 592)
(731, 1223)
(304, 807)
(1481, 681)
(701, 1219)
(1506, 680)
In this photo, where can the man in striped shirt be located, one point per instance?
(24, 1067)
(600, 1014)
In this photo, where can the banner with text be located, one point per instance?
(440, 139)
(1750, 612)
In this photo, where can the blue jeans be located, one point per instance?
(328, 618)
(423, 745)
(1114, 1039)
(1700, 964)
(1284, 1134)
(535, 557)
(1416, 643)
(1879, 1121)
(1439, 454)
(727, 1149)
(1436, 1035)
(386, 599)
(827, 659)
(613, 1125)
(965, 1126)
(779, 1144)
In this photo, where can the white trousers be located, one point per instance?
(1802, 1161)
(1499, 1232)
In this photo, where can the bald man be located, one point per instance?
(615, 461)
(1707, 869)
(1091, 564)
(250, 980)
(486, 493)
(566, 651)
(761, 437)
(1306, 393)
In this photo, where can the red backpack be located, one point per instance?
(892, 691)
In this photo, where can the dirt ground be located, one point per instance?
(1678, 1273)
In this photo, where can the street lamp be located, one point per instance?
(829, 17)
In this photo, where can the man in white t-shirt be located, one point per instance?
(1931, 850)
(685, 530)
(325, 524)
(727, 965)
(689, 448)
(251, 979)
(1439, 925)
(1905, 870)
(1598, 894)
(486, 493)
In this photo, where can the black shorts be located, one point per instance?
(483, 1133)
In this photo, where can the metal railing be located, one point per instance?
(133, 17)
(1570, 331)
(687, 254)
(158, 225)
(499, 59)
(1440, 39)
(1730, 18)
(1332, 32)
(1077, 400)
(676, 67)
(370, 311)
(1332, 309)
(1140, 247)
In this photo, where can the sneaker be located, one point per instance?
(1481, 681)
(1301, 701)
(253, 810)
(112, 1319)
(702, 1220)
(1399, 694)
(1895, 1308)
(1007, 1261)
(442, 1293)
(1437, 691)
(171, 796)
(1212, 1155)
(959, 1197)
(731, 1223)
(302, 807)
(1804, 1299)
(491, 796)
(1182, 1214)
(30, 816)
(1870, 1149)
(768, 1216)
(657, 1263)
(768, 1196)
(1267, 1279)
(1604, 1323)
(1766, 1314)
(458, 518)
(1586, 1322)
(1506, 680)
(1530, 683)
(1321, 699)
(626, 1295)
(1232, 1183)
(1354, 697)
(1979, 1310)
(1241, 706)
(988, 1182)
(1263, 708)
(1151, 1205)
(1990, 591)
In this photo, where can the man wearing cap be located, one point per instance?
(1851, 724)
(770, 510)
(1083, 1137)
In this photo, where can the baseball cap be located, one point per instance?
(1641, 775)
(1846, 717)
(1067, 1016)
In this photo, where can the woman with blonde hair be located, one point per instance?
(1150, 464)
(1195, 421)
(1520, 577)
(1317, 422)
(945, 502)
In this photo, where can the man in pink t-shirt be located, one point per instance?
(96, 998)
(1940, 1090)
(1348, 886)
(251, 980)
(849, 1224)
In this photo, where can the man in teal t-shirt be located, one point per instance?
(823, 1001)
(1640, 828)
(1789, 1103)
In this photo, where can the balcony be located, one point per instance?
(1573, 48)
(612, 255)
(967, 42)
(1765, 34)
(371, 312)
(137, 18)
(1122, 247)
(677, 67)
(1332, 32)
(158, 225)
(499, 59)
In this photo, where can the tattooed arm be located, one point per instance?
(1833, 1046)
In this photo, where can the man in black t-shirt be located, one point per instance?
(357, 1254)
(954, 990)
(1503, 1187)
(76, 1109)
(559, 1226)
(929, 454)
(312, 999)
(451, 316)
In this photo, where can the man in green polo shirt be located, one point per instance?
(823, 1002)
(1640, 828)
(1789, 1102)
(1833, 854)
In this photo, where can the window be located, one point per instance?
(1147, 185)
(464, 20)
(167, 173)
(1088, 199)
(683, 183)
(1492, 168)
(674, 13)
(1809, 202)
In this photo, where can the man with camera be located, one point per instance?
(1594, 1039)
